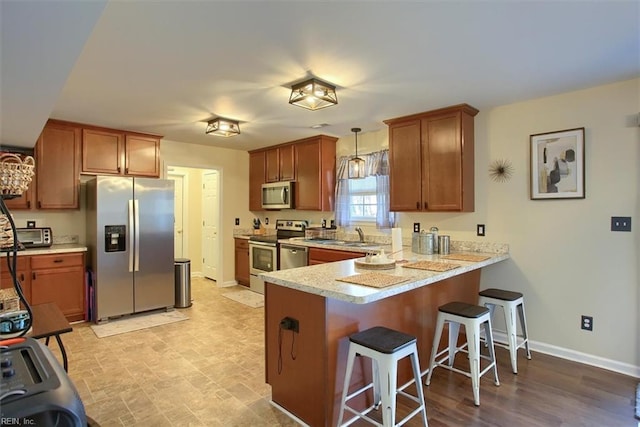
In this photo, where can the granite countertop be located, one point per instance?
(321, 279)
(54, 249)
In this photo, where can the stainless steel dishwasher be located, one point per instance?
(292, 256)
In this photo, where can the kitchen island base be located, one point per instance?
(306, 368)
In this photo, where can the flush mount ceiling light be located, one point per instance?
(313, 94)
(223, 127)
(356, 165)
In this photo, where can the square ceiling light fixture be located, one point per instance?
(313, 94)
(223, 127)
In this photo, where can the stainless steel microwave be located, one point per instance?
(40, 237)
(277, 195)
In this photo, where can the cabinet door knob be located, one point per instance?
(39, 205)
(33, 275)
(22, 277)
(425, 205)
(119, 169)
(418, 205)
(28, 204)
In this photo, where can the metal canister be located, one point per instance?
(443, 245)
(434, 231)
(422, 243)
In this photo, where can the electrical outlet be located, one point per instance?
(620, 223)
(31, 224)
(480, 230)
(290, 324)
(237, 221)
(587, 323)
(416, 227)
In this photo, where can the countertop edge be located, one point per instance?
(54, 249)
(363, 294)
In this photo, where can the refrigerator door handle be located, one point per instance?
(137, 231)
(131, 240)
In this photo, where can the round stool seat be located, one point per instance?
(463, 309)
(382, 339)
(501, 294)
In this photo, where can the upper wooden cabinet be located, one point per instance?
(58, 166)
(114, 152)
(431, 160)
(256, 179)
(310, 162)
(316, 165)
(280, 164)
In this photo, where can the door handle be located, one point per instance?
(131, 241)
(136, 265)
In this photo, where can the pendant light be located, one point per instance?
(356, 164)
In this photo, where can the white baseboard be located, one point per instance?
(576, 356)
(197, 274)
(227, 284)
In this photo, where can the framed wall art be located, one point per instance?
(557, 165)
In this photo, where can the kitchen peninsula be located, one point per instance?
(306, 368)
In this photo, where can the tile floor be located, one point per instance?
(205, 371)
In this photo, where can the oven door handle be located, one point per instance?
(254, 242)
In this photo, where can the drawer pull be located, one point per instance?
(33, 275)
(58, 261)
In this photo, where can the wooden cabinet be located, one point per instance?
(114, 152)
(59, 278)
(431, 159)
(310, 162)
(322, 256)
(280, 164)
(22, 273)
(316, 165)
(256, 179)
(242, 261)
(58, 166)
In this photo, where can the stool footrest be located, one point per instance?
(360, 415)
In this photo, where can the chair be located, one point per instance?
(511, 302)
(472, 317)
(385, 347)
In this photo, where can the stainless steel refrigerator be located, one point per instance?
(130, 240)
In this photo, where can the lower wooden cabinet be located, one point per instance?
(22, 273)
(242, 261)
(57, 278)
(321, 256)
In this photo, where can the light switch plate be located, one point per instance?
(480, 230)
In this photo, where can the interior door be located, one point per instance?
(210, 221)
(179, 229)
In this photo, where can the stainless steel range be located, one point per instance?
(263, 250)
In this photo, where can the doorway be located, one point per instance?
(197, 216)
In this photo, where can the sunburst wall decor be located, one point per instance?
(500, 170)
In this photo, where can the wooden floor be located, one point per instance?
(547, 391)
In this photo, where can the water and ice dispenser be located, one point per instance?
(114, 238)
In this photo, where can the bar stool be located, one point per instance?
(472, 317)
(385, 347)
(510, 303)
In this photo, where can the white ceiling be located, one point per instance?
(166, 67)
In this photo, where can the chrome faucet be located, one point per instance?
(361, 234)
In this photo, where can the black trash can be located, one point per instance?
(183, 282)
